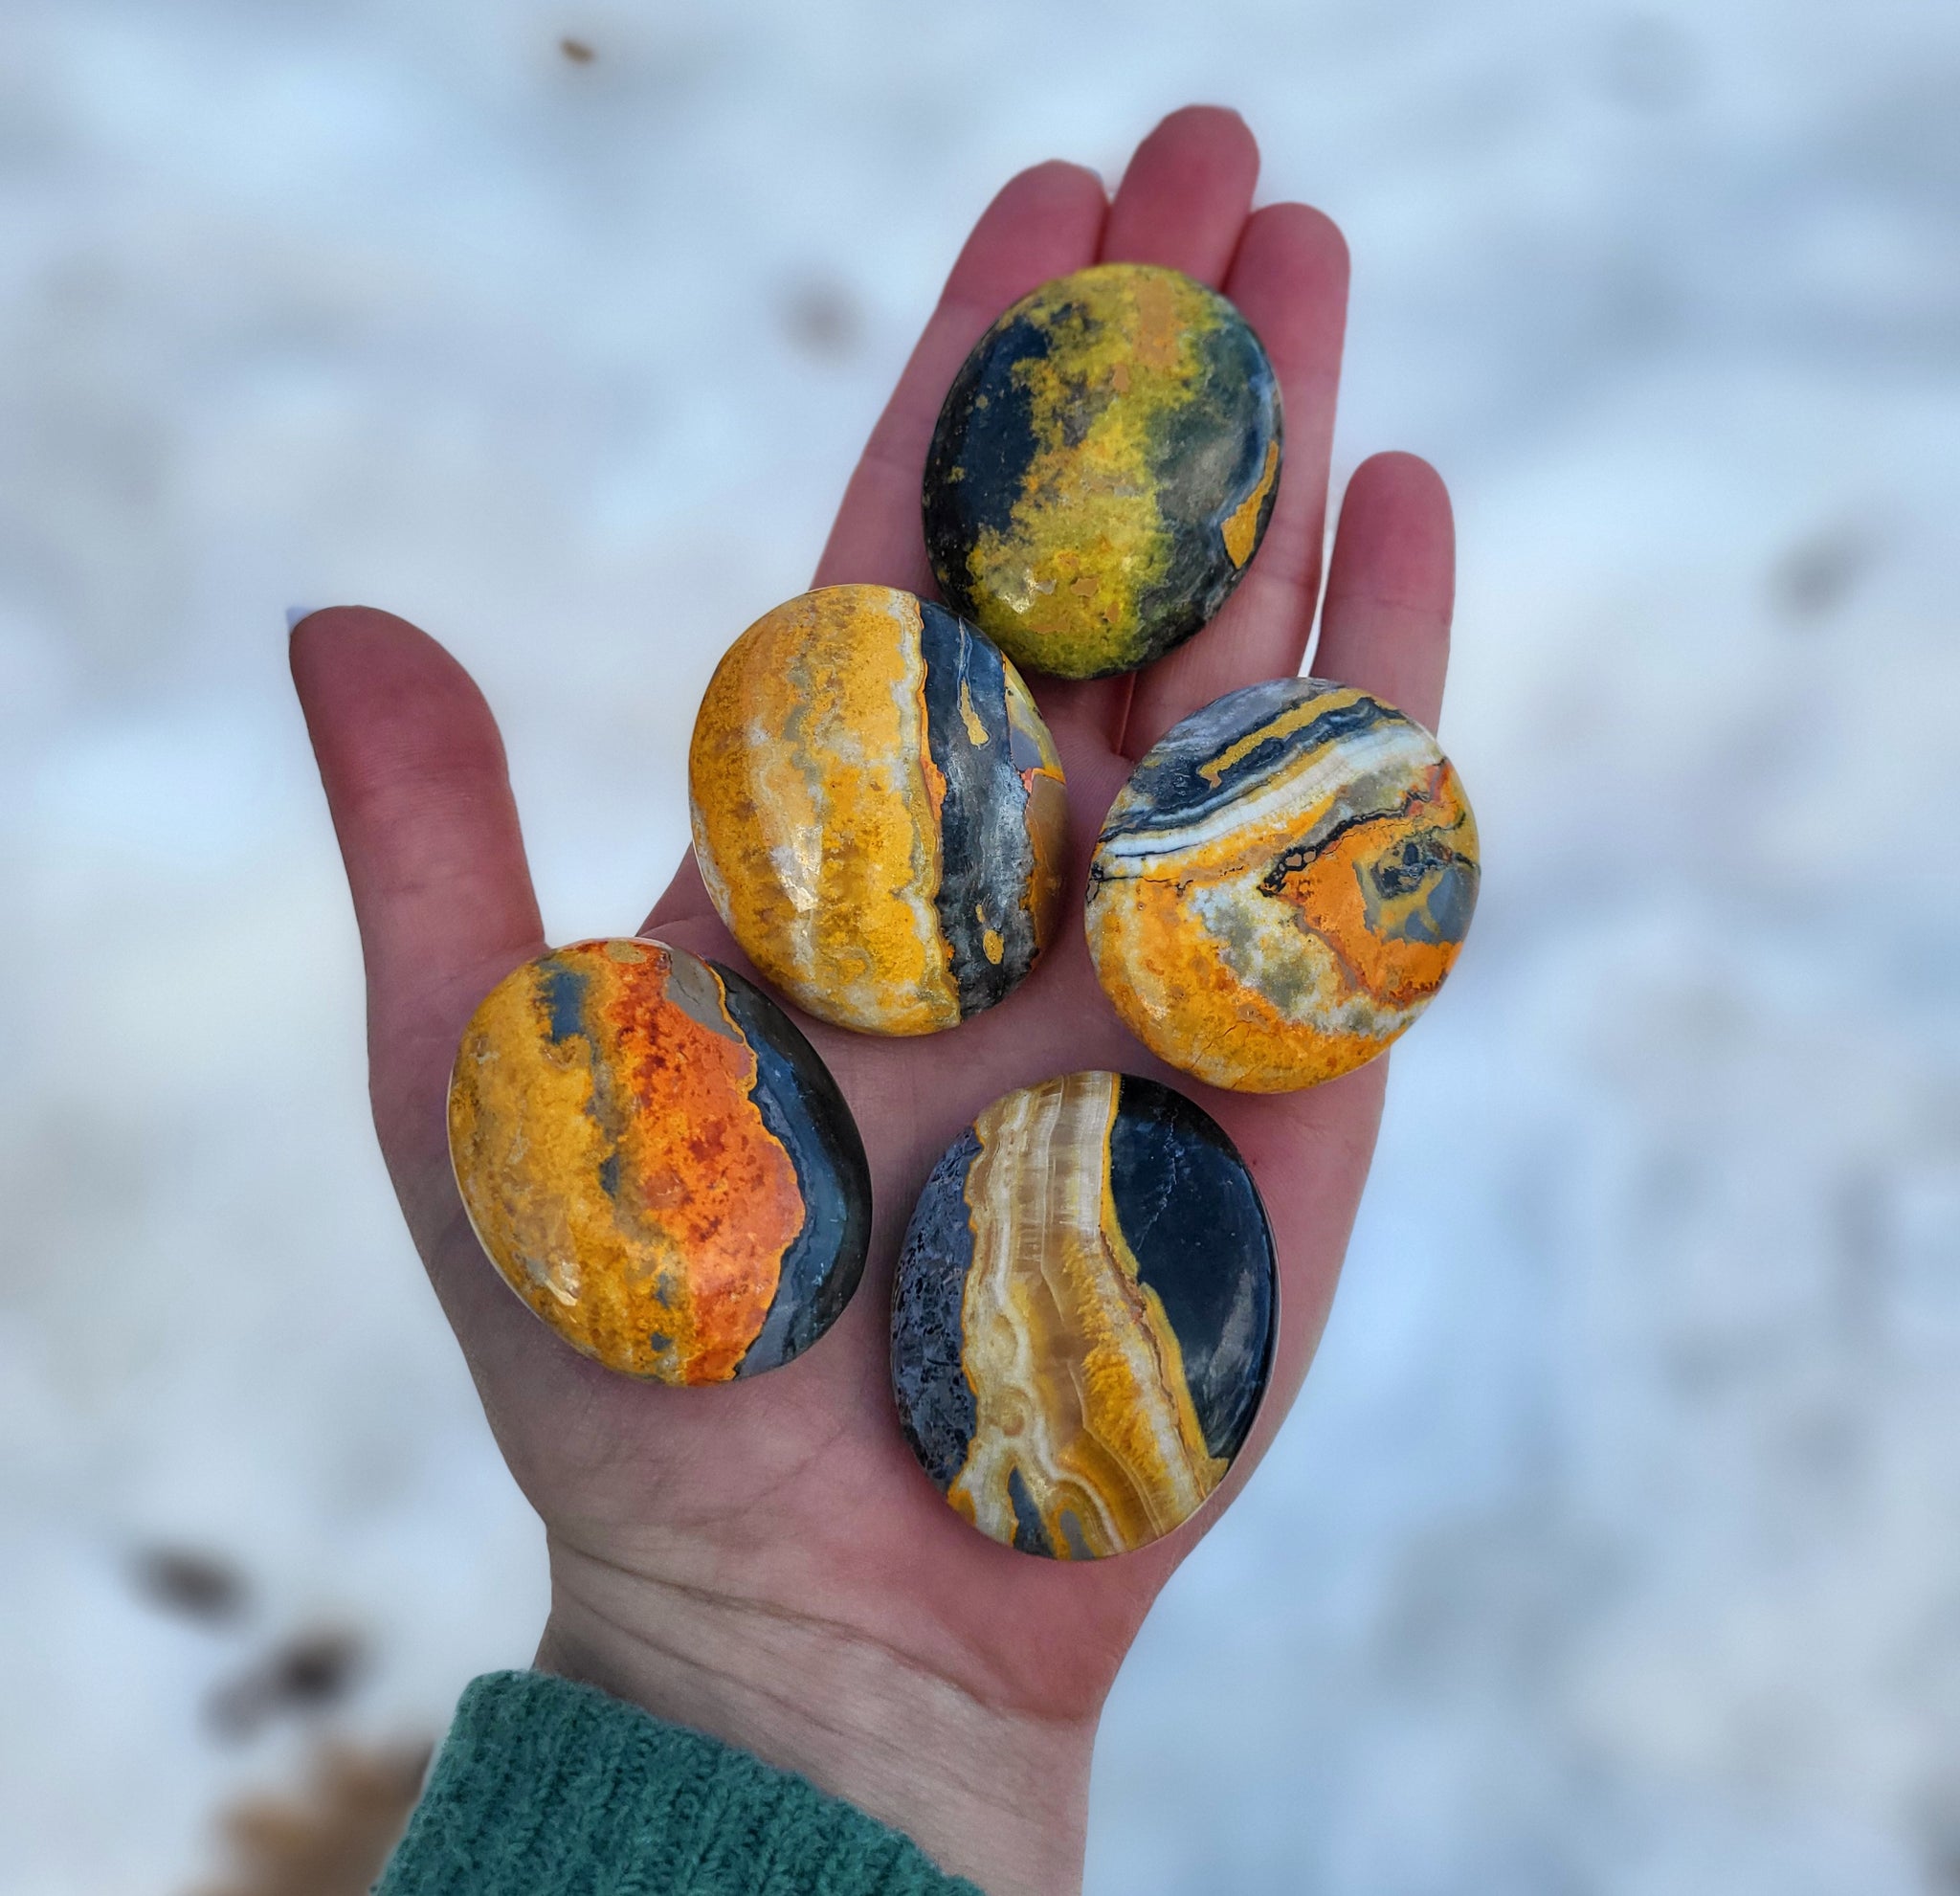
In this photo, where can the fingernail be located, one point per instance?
(295, 614)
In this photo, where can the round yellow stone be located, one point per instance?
(1282, 886)
(878, 811)
(657, 1162)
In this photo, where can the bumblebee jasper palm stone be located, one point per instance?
(1103, 469)
(657, 1162)
(878, 811)
(1282, 886)
(1082, 1324)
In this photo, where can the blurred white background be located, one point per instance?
(1615, 1544)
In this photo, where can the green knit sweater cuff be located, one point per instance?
(545, 1787)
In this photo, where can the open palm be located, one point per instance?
(763, 1559)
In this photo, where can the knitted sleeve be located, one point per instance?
(544, 1787)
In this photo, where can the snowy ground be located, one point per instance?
(1615, 1544)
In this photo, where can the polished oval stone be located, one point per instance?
(1282, 884)
(657, 1162)
(1103, 469)
(1083, 1320)
(878, 811)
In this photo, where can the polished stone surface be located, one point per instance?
(1083, 1319)
(657, 1162)
(878, 811)
(1103, 469)
(1282, 884)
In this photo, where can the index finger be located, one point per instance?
(414, 778)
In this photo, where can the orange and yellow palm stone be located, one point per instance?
(877, 809)
(1282, 886)
(1083, 1319)
(657, 1162)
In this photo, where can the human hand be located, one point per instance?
(763, 1560)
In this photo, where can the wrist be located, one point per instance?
(989, 1793)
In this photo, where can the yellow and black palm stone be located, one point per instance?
(1083, 1319)
(1282, 886)
(1103, 469)
(657, 1162)
(878, 811)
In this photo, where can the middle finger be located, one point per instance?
(1182, 202)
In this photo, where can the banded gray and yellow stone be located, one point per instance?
(878, 811)
(1282, 886)
(1083, 1318)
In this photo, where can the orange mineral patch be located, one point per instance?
(1292, 929)
(1182, 998)
(1330, 895)
(613, 1165)
(1242, 527)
